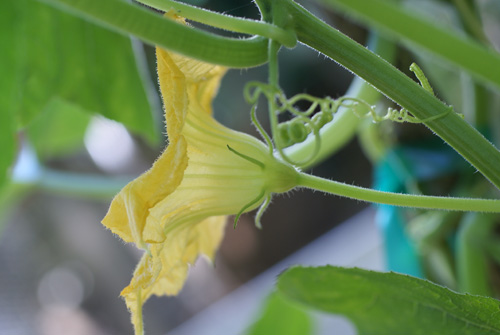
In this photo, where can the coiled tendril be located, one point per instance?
(320, 112)
(303, 123)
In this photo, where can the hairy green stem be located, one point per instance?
(128, 18)
(231, 23)
(466, 140)
(396, 199)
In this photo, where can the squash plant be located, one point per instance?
(441, 213)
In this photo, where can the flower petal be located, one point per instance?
(216, 181)
(179, 76)
(128, 211)
(164, 271)
(130, 208)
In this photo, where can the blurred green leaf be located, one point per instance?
(58, 129)
(453, 85)
(7, 95)
(390, 303)
(389, 17)
(54, 54)
(281, 316)
(7, 144)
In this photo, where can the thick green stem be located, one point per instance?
(128, 18)
(466, 140)
(231, 23)
(396, 199)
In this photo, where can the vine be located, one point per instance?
(320, 112)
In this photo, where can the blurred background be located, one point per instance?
(61, 271)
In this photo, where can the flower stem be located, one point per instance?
(396, 199)
(231, 23)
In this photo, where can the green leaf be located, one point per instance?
(390, 303)
(59, 129)
(53, 54)
(282, 316)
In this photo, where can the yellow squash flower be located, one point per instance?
(176, 211)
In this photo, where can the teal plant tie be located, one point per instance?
(399, 171)
(400, 252)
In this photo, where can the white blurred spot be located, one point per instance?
(61, 320)
(26, 168)
(109, 144)
(61, 286)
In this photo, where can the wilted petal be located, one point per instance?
(164, 271)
